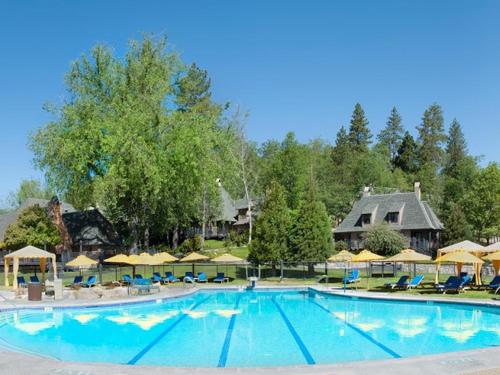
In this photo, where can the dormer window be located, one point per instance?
(366, 219)
(392, 217)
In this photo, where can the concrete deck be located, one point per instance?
(481, 361)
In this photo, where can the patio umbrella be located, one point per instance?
(229, 259)
(28, 252)
(81, 261)
(345, 257)
(467, 246)
(409, 256)
(193, 257)
(460, 257)
(118, 258)
(493, 248)
(494, 258)
(143, 259)
(367, 256)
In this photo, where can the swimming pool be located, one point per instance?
(251, 329)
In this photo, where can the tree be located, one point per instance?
(482, 203)
(392, 135)
(193, 90)
(359, 133)
(456, 151)
(456, 227)
(431, 136)
(270, 242)
(32, 227)
(383, 240)
(29, 189)
(407, 156)
(311, 233)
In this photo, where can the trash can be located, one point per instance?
(34, 292)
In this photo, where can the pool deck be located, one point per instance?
(480, 361)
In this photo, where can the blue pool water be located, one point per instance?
(251, 328)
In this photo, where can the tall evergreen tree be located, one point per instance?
(270, 240)
(456, 151)
(311, 234)
(359, 133)
(193, 90)
(431, 136)
(456, 227)
(407, 155)
(392, 135)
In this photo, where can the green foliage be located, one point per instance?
(482, 203)
(431, 136)
(341, 245)
(407, 155)
(392, 135)
(191, 244)
(383, 240)
(270, 241)
(193, 90)
(359, 133)
(311, 233)
(29, 189)
(456, 226)
(32, 227)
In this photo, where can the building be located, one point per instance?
(404, 212)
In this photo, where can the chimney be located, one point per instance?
(416, 188)
(367, 191)
(218, 182)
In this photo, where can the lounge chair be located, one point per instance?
(127, 279)
(415, 282)
(202, 278)
(220, 278)
(352, 277)
(169, 277)
(21, 282)
(454, 283)
(157, 278)
(463, 274)
(77, 281)
(138, 277)
(400, 284)
(91, 281)
(34, 280)
(143, 285)
(189, 278)
(494, 284)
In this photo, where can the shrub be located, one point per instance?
(341, 245)
(381, 239)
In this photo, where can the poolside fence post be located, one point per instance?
(281, 270)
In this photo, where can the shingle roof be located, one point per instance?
(415, 214)
(11, 217)
(91, 227)
(228, 209)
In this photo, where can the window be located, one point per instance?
(393, 217)
(366, 219)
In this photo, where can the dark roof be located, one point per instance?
(415, 214)
(228, 210)
(90, 227)
(11, 217)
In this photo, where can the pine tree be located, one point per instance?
(407, 157)
(270, 241)
(456, 227)
(193, 91)
(456, 151)
(311, 234)
(392, 135)
(431, 136)
(359, 133)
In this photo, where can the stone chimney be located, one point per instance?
(54, 212)
(218, 182)
(416, 189)
(367, 191)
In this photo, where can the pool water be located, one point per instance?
(250, 329)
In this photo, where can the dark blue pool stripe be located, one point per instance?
(141, 354)
(298, 340)
(229, 333)
(361, 332)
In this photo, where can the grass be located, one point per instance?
(292, 276)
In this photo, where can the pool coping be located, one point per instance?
(451, 362)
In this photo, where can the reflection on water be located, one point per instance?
(227, 313)
(143, 321)
(85, 318)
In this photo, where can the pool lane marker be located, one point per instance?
(141, 354)
(361, 332)
(308, 357)
(227, 341)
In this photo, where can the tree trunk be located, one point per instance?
(204, 219)
(175, 238)
(310, 268)
(146, 238)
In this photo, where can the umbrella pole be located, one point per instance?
(345, 273)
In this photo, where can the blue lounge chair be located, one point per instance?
(202, 278)
(91, 281)
(157, 278)
(188, 278)
(463, 274)
(494, 284)
(139, 277)
(454, 283)
(77, 281)
(220, 278)
(169, 277)
(127, 279)
(401, 283)
(34, 280)
(21, 282)
(415, 282)
(352, 277)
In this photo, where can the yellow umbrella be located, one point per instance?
(409, 256)
(460, 257)
(494, 258)
(366, 256)
(81, 261)
(193, 257)
(118, 258)
(165, 257)
(227, 258)
(143, 259)
(343, 256)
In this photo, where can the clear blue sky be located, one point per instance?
(294, 65)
